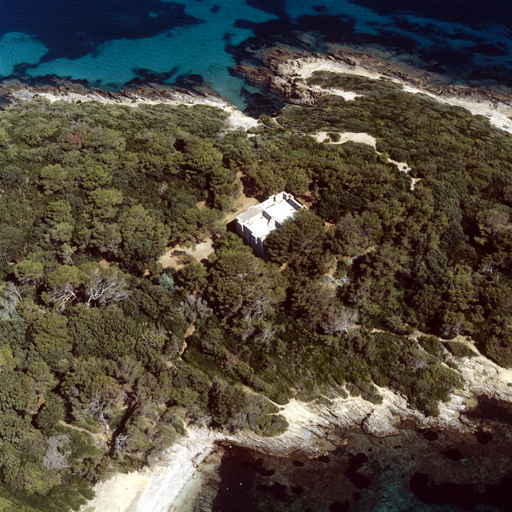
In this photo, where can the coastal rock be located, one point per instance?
(16, 92)
(252, 73)
(313, 428)
(297, 93)
(286, 71)
(345, 59)
(379, 426)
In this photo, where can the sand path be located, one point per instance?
(499, 114)
(364, 138)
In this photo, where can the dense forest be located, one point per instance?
(95, 373)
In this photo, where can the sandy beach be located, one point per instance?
(171, 485)
(176, 483)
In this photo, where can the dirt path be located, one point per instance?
(348, 95)
(364, 138)
(191, 330)
(80, 429)
(101, 439)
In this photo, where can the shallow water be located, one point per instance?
(119, 42)
(416, 471)
(110, 44)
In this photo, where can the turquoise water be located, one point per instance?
(130, 42)
(110, 44)
(194, 49)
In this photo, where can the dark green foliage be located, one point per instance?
(299, 243)
(354, 83)
(432, 345)
(192, 277)
(52, 412)
(228, 402)
(234, 407)
(12, 241)
(450, 234)
(12, 334)
(12, 176)
(79, 184)
(82, 183)
(108, 334)
(459, 349)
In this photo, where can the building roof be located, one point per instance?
(265, 217)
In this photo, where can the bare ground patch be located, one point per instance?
(177, 256)
(364, 138)
(243, 202)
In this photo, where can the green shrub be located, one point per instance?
(432, 345)
(459, 349)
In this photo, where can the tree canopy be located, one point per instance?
(364, 289)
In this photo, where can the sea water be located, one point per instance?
(416, 470)
(112, 43)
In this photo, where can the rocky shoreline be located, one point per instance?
(285, 63)
(412, 470)
(17, 91)
(73, 93)
(315, 430)
(284, 71)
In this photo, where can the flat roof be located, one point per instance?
(281, 211)
(260, 227)
(250, 213)
(277, 209)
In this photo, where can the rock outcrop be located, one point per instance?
(282, 70)
(296, 92)
(15, 91)
(314, 429)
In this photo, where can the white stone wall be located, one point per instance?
(244, 221)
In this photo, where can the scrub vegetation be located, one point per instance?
(96, 375)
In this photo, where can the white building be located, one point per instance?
(258, 221)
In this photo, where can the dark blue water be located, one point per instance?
(417, 470)
(112, 43)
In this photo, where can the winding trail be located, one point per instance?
(364, 138)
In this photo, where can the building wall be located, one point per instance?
(244, 231)
(255, 243)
